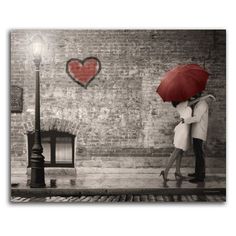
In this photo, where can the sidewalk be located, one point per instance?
(141, 182)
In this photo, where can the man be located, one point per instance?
(199, 122)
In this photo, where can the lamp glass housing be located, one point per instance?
(37, 47)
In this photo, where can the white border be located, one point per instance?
(168, 219)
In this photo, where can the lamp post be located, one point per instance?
(37, 159)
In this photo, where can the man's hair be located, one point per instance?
(175, 103)
(198, 95)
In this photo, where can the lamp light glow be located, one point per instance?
(37, 47)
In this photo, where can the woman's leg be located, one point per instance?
(178, 162)
(174, 155)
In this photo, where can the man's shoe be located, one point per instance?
(196, 180)
(192, 175)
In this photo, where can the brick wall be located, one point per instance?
(119, 121)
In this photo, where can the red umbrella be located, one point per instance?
(182, 82)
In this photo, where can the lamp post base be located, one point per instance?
(35, 185)
(37, 171)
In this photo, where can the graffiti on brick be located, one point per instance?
(83, 71)
(16, 99)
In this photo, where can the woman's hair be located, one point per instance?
(175, 103)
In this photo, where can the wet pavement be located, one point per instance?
(118, 184)
(121, 180)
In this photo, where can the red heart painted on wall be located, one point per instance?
(83, 71)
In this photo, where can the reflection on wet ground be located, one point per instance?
(122, 181)
(120, 188)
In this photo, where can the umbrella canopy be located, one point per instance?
(182, 82)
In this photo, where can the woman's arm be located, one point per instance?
(190, 103)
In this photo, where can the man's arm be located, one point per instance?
(200, 110)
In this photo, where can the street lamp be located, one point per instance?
(37, 159)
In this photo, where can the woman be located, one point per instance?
(181, 137)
